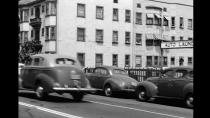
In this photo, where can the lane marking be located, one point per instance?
(49, 110)
(135, 109)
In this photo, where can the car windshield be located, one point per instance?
(65, 61)
(118, 71)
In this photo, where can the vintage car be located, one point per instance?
(110, 79)
(47, 73)
(174, 82)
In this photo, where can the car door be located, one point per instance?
(26, 73)
(94, 77)
(102, 78)
(164, 83)
(179, 82)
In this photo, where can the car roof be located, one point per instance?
(53, 56)
(110, 67)
(181, 67)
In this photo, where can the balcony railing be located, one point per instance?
(36, 22)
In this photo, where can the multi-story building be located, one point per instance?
(110, 32)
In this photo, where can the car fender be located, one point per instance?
(151, 89)
(46, 81)
(187, 89)
(114, 83)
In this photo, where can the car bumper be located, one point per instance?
(128, 90)
(86, 90)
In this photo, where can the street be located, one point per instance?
(99, 106)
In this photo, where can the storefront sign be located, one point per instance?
(177, 44)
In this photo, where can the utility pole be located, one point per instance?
(161, 50)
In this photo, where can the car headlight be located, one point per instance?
(134, 84)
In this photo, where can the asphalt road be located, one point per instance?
(99, 106)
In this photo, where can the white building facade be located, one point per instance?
(123, 33)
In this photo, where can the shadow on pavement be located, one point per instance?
(51, 98)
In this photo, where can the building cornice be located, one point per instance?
(171, 3)
(35, 2)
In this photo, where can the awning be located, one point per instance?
(167, 17)
(150, 15)
(158, 15)
(166, 38)
(149, 37)
(157, 37)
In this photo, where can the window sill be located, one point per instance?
(81, 16)
(190, 28)
(138, 44)
(48, 15)
(50, 39)
(100, 18)
(81, 40)
(181, 27)
(128, 21)
(115, 20)
(114, 42)
(127, 43)
(138, 23)
(99, 41)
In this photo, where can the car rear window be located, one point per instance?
(121, 72)
(65, 61)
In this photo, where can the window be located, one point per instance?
(172, 21)
(173, 61)
(52, 36)
(115, 36)
(165, 9)
(97, 71)
(36, 62)
(157, 42)
(181, 22)
(138, 18)
(138, 5)
(26, 15)
(149, 60)
(81, 58)
(172, 38)
(80, 34)
(127, 16)
(21, 16)
(99, 35)
(181, 61)
(127, 37)
(115, 14)
(156, 60)
(99, 59)
(127, 60)
(117, 71)
(47, 32)
(149, 42)
(157, 19)
(47, 8)
(42, 8)
(181, 38)
(190, 38)
(180, 73)
(25, 35)
(190, 24)
(168, 73)
(42, 31)
(149, 20)
(66, 61)
(138, 61)
(165, 61)
(115, 1)
(104, 71)
(190, 63)
(165, 21)
(138, 39)
(32, 12)
(99, 12)
(115, 60)
(53, 8)
(80, 10)
(32, 33)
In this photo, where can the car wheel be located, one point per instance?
(108, 90)
(142, 95)
(40, 94)
(189, 100)
(77, 96)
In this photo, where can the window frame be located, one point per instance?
(80, 34)
(148, 23)
(181, 22)
(140, 39)
(157, 61)
(165, 63)
(102, 35)
(172, 38)
(147, 61)
(191, 61)
(174, 63)
(127, 41)
(140, 65)
(113, 32)
(83, 5)
(43, 8)
(32, 33)
(83, 59)
(100, 7)
(32, 11)
(99, 54)
(138, 5)
(117, 16)
(190, 28)
(115, 1)
(128, 15)
(180, 61)
(42, 31)
(113, 61)
(181, 38)
(54, 33)
(173, 23)
(175, 73)
(165, 22)
(127, 60)
(139, 19)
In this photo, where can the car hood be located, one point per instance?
(152, 79)
(126, 79)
